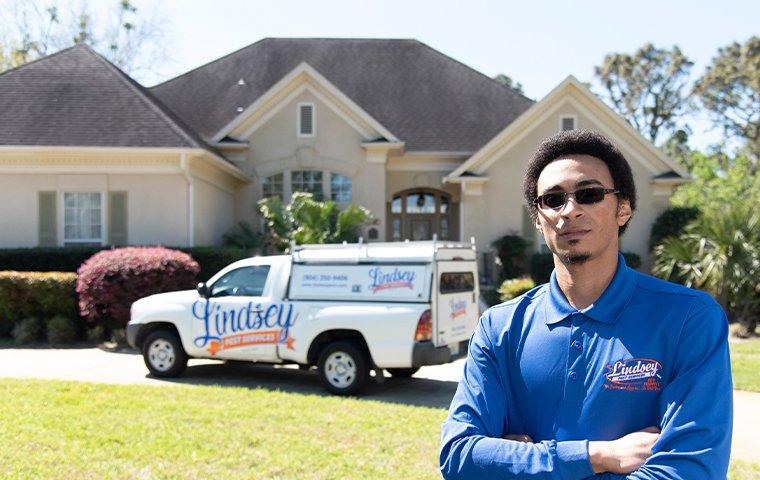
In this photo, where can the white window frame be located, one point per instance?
(313, 120)
(562, 118)
(62, 219)
(329, 185)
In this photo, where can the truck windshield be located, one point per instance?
(242, 282)
(453, 282)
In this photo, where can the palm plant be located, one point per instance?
(718, 252)
(306, 220)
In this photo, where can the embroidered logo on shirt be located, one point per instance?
(634, 374)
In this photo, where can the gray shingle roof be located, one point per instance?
(77, 98)
(425, 98)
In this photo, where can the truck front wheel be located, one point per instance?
(343, 368)
(163, 354)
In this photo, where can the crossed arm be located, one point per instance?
(695, 413)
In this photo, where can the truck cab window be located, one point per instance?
(454, 282)
(242, 282)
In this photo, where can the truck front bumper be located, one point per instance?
(132, 331)
(425, 353)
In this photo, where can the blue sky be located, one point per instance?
(537, 43)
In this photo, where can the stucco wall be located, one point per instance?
(336, 147)
(214, 209)
(500, 209)
(155, 205)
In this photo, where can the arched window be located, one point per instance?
(417, 214)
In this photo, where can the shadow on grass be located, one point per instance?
(408, 391)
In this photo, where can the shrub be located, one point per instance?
(540, 267)
(111, 280)
(511, 252)
(212, 259)
(671, 223)
(514, 287)
(542, 264)
(69, 259)
(61, 330)
(66, 259)
(490, 296)
(632, 260)
(28, 330)
(96, 334)
(35, 295)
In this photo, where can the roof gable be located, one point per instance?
(607, 121)
(77, 98)
(303, 78)
(428, 100)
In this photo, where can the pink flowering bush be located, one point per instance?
(109, 281)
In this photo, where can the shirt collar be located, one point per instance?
(606, 309)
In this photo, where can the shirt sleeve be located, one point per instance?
(472, 446)
(696, 407)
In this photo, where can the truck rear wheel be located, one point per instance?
(163, 354)
(402, 372)
(343, 368)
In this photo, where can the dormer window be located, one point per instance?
(306, 120)
(567, 122)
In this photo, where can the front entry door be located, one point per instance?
(421, 228)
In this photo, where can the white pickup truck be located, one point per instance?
(345, 309)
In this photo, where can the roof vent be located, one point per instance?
(241, 82)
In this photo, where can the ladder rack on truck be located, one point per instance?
(383, 252)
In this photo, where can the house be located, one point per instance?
(429, 145)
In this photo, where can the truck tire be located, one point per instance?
(402, 372)
(163, 354)
(343, 368)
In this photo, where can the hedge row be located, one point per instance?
(38, 295)
(69, 259)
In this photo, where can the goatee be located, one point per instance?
(575, 259)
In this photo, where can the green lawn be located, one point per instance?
(57, 429)
(745, 364)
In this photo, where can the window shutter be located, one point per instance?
(307, 119)
(48, 226)
(117, 218)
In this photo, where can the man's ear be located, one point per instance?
(624, 212)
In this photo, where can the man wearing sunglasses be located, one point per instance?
(604, 372)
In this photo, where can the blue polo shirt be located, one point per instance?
(646, 353)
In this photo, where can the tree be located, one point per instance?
(306, 220)
(730, 91)
(32, 29)
(647, 88)
(507, 81)
(720, 253)
(719, 249)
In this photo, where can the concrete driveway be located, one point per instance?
(431, 386)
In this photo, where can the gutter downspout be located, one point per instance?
(185, 166)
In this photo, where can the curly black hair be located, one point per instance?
(580, 142)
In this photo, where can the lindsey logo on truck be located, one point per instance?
(242, 327)
(398, 278)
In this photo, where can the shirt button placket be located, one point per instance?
(574, 388)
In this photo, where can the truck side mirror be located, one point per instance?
(202, 289)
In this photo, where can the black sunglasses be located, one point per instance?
(584, 196)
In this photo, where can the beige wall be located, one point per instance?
(156, 208)
(155, 205)
(499, 210)
(336, 147)
(214, 212)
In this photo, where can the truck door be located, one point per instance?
(238, 321)
(456, 302)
